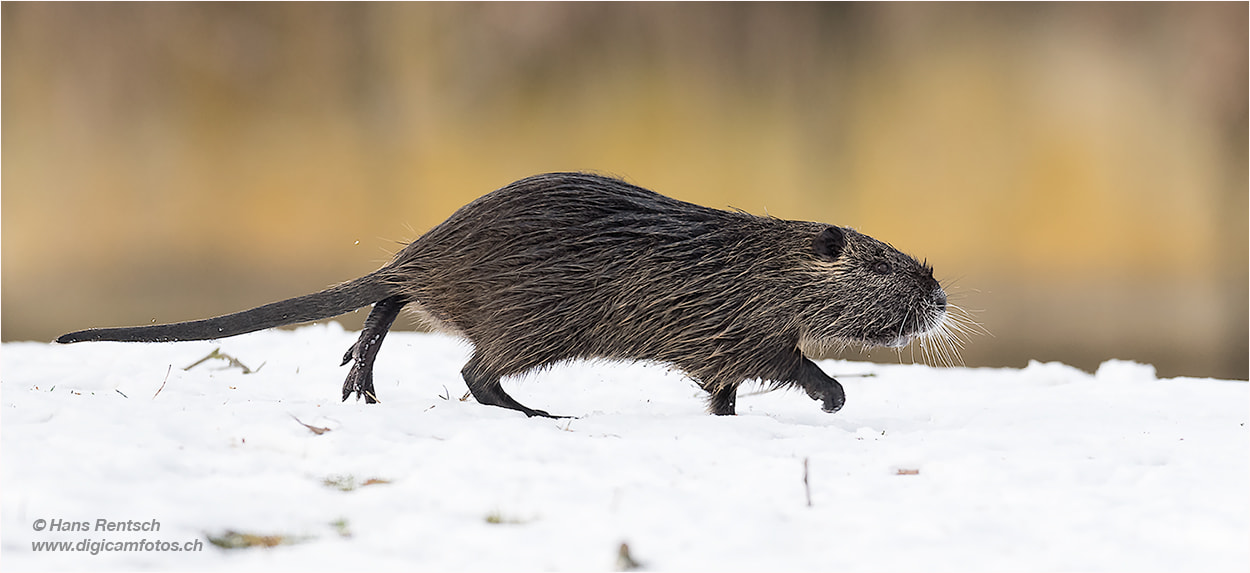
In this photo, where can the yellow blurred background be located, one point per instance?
(1076, 173)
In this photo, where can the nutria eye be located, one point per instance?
(881, 267)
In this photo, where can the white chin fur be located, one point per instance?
(898, 342)
(933, 324)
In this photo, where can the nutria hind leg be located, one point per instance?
(820, 386)
(722, 399)
(365, 350)
(486, 390)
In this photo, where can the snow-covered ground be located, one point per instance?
(1047, 468)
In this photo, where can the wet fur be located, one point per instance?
(568, 266)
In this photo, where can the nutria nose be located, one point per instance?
(939, 298)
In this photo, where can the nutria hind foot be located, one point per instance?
(487, 391)
(365, 350)
(495, 396)
(360, 381)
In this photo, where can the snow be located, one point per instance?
(1046, 468)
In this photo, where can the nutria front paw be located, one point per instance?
(833, 402)
(831, 396)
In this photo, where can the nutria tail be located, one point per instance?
(328, 303)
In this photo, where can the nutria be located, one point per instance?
(567, 266)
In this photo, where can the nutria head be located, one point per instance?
(876, 295)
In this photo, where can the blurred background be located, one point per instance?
(1076, 173)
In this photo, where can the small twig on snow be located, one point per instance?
(158, 390)
(313, 429)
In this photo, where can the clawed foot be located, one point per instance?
(486, 390)
(820, 386)
(542, 414)
(506, 401)
(359, 379)
(831, 397)
(365, 350)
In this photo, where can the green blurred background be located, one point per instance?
(1076, 173)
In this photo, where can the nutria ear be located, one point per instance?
(829, 243)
